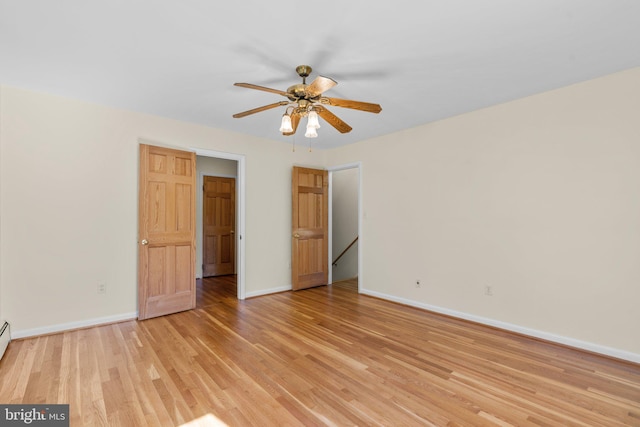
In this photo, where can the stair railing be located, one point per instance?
(335, 262)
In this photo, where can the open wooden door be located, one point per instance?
(310, 236)
(219, 220)
(166, 227)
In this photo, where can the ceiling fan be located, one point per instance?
(307, 100)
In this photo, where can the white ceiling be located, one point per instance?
(421, 60)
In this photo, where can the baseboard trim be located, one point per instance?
(570, 342)
(267, 291)
(61, 327)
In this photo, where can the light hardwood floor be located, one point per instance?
(322, 356)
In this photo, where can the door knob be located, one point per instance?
(296, 235)
(144, 242)
(233, 232)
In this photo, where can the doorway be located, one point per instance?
(345, 224)
(226, 165)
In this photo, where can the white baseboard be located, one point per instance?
(571, 342)
(267, 291)
(61, 327)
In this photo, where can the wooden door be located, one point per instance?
(166, 227)
(219, 223)
(309, 242)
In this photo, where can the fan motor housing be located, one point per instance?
(297, 91)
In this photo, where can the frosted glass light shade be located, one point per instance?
(313, 120)
(311, 132)
(285, 125)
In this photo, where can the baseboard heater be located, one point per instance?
(5, 337)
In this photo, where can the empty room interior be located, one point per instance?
(337, 213)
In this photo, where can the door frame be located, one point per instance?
(240, 212)
(354, 165)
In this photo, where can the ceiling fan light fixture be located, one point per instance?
(313, 120)
(285, 125)
(308, 100)
(311, 132)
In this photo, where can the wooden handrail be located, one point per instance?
(345, 251)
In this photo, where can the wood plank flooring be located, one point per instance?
(322, 356)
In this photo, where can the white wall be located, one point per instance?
(1, 221)
(344, 196)
(537, 198)
(69, 173)
(209, 166)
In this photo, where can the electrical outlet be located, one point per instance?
(418, 283)
(488, 290)
(102, 288)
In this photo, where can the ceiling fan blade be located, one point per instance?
(295, 120)
(266, 89)
(356, 105)
(259, 109)
(319, 85)
(333, 120)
